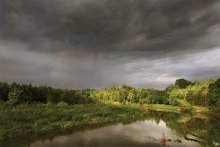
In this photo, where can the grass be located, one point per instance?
(175, 109)
(40, 119)
(161, 107)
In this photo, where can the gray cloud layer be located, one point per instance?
(99, 43)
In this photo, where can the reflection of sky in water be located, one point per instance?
(139, 133)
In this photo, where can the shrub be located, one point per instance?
(173, 102)
(142, 101)
(185, 106)
(15, 97)
(62, 103)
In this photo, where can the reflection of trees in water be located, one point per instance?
(193, 129)
(185, 126)
(213, 134)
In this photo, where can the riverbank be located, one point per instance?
(175, 109)
(166, 108)
(26, 119)
(43, 118)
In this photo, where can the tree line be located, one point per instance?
(202, 93)
(26, 93)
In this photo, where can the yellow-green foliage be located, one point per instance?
(162, 107)
(200, 109)
(184, 119)
(177, 109)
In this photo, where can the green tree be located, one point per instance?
(214, 94)
(132, 96)
(175, 95)
(182, 83)
(169, 89)
(15, 96)
(124, 91)
(4, 90)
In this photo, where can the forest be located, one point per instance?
(204, 93)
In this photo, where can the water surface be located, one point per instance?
(177, 130)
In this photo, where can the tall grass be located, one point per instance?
(25, 119)
(184, 108)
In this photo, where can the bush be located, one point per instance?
(185, 106)
(143, 101)
(173, 102)
(62, 103)
(49, 104)
(15, 97)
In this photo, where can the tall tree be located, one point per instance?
(182, 83)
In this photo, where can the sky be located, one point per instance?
(105, 43)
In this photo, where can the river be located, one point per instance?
(157, 129)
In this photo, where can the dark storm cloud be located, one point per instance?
(100, 43)
(152, 27)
